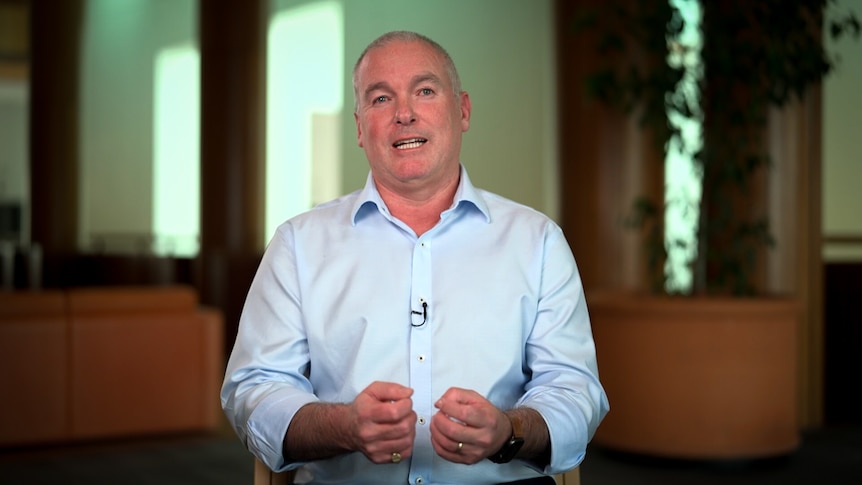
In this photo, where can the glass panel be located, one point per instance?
(176, 163)
(305, 79)
(14, 156)
(138, 129)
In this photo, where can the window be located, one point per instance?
(682, 177)
(176, 152)
(305, 82)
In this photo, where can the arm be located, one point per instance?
(268, 397)
(266, 381)
(468, 418)
(537, 440)
(562, 398)
(564, 386)
(378, 423)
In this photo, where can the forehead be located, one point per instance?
(400, 59)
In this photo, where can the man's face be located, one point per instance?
(408, 119)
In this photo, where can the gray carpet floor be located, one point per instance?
(827, 456)
(169, 460)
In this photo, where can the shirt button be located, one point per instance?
(422, 420)
(419, 480)
(421, 358)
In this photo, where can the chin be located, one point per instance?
(412, 169)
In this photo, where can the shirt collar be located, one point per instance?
(465, 195)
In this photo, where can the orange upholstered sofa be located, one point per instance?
(107, 362)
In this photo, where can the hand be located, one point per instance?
(383, 421)
(467, 418)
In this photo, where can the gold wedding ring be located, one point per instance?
(396, 457)
(460, 445)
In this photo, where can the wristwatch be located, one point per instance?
(511, 447)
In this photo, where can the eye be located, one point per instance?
(379, 99)
(426, 91)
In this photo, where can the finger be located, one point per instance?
(455, 451)
(394, 412)
(449, 433)
(388, 391)
(384, 424)
(382, 452)
(451, 406)
(386, 402)
(380, 440)
(460, 396)
(465, 407)
(448, 443)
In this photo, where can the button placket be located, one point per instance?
(421, 302)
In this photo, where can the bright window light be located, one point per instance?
(305, 83)
(682, 176)
(176, 164)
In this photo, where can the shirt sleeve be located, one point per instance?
(265, 381)
(564, 387)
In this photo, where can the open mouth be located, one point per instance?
(409, 143)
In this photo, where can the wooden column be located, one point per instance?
(795, 264)
(606, 162)
(55, 33)
(233, 92)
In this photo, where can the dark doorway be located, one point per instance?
(842, 301)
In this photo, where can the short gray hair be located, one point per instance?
(407, 36)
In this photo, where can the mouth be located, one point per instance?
(409, 143)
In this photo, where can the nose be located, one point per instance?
(404, 114)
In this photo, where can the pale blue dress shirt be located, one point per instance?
(333, 298)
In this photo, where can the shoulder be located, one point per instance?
(504, 209)
(327, 216)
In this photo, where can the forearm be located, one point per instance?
(537, 439)
(317, 431)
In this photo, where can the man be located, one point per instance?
(419, 330)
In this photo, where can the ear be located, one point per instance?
(466, 109)
(358, 129)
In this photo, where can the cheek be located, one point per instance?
(372, 130)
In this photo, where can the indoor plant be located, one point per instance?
(713, 376)
(756, 56)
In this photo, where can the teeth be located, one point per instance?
(408, 144)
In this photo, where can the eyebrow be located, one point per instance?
(427, 78)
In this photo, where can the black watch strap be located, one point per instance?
(513, 445)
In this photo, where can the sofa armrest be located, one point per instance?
(33, 367)
(212, 328)
(144, 360)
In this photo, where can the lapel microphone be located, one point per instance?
(424, 314)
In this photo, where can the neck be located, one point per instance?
(420, 210)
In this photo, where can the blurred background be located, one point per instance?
(161, 142)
